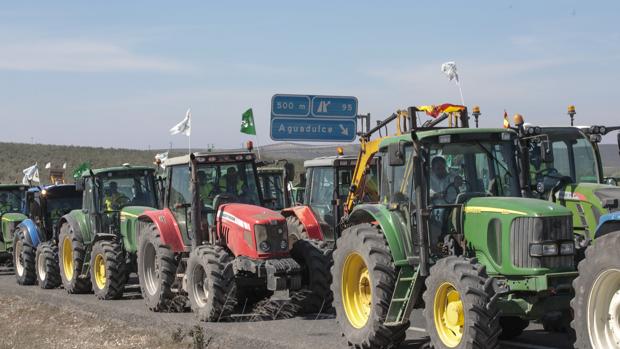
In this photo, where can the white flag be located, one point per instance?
(31, 174)
(449, 68)
(64, 166)
(48, 165)
(185, 126)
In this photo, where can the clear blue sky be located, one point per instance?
(120, 73)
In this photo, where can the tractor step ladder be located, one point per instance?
(406, 292)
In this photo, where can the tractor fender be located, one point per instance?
(73, 222)
(608, 223)
(33, 235)
(389, 223)
(169, 230)
(307, 219)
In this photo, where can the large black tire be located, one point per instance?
(596, 286)
(296, 230)
(71, 259)
(157, 269)
(48, 272)
(23, 259)
(512, 326)
(365, 246)
(480, 326)
(211, 287)
(315, 258)
(108, 271)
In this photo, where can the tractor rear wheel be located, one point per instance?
(157, 269)
(296, 230)
(458, 311)
(108, 272)
(72, 254)
(315, 258)
(48, 273)
(23, 254)
(211, 284)
(512, 326)
(596, 305)
(364, 276)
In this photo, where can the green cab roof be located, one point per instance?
(428, 133)
(117, 169)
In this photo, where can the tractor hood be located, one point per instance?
(514, 206)
(250, 214)
(587, 201)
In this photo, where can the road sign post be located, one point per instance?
(313, 118)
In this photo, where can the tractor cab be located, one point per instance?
(276, 183)
(107, 191)
(46, 205)
(12, 212)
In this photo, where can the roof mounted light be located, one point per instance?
(340, 150)
(518, 119)
(445, 139)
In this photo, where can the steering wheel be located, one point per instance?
(548, 172)
(452, 190)
(222, 199)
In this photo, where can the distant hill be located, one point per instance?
(14, 157)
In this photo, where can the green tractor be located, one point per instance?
(12, 212)
(98, 244)
(452, 235)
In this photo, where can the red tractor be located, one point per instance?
(214, 243)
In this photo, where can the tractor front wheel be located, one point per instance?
(315, 258)
(108, 272)
(48, 273)
(364, 276)
(458, 311)
(296, 230)
(157, 269)
(72, 254)
(23, 254)
(211, 287)
(596, 305)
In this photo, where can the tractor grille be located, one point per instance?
(274, 234)
(526, 230)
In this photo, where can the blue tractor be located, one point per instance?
(35, 248)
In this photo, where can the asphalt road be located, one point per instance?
(312, 331)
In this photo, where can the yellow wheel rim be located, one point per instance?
(449, 315)
(67, 258)
(356, 290)
(99, 270)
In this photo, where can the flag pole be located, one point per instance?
(458, 83)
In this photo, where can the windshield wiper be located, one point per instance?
(488, 152)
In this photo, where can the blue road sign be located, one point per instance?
(290, 105)
(311, 129)
(313, 118)
(332, 106)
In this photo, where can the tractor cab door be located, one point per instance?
(91, 209)
(179, 198)
(321, 197)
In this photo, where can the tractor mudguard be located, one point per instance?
(33, 234)
(169, 230)
(388, 222)
(71, 219)
(307, 219)
(608, 223)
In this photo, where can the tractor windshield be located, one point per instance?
(458, 170)
(120, 189)
(573, 156)
(11, 200)
(235, 181)
(58, 206)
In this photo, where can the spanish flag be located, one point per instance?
(506, 121)
(436, 110)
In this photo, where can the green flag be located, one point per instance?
(247, 123)
(77, 173)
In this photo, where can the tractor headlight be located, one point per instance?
(260, 232)
(544, 249)
(567, 248)
(264, 246)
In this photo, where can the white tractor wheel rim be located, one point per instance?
(604, 310)
(41, 267)
(200, 287)
(19, 266)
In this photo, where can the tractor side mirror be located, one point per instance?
(396, 154)
(546, 151)
(611, 181)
